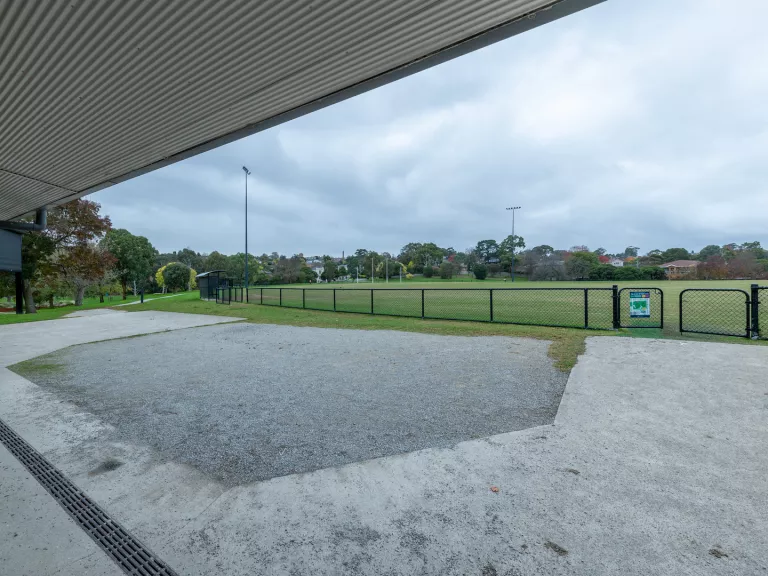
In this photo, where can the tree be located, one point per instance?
(743, 265)
(630, 252)
(654, 257)
(511, 244)
(135, 258)
(600, 252)
(708, 251)
(579, 248)
(215, 261)
(446, 270)
(487, 250)
(176, 276)
(480, 271)
(672, 254)
(714, 268)
(580, 263)
(83, 265)
(159, 280)
(288, 270)
(429, 272)
(754, 247)
(191, 258)
(70, 225)
(307, 275)
(342, 272)
(330, 270)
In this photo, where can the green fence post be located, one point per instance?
(755, 305)
(616, 320)
(304, 298)
(281, 296)
(422, 303)
(371, 300)
(586, 308)
(334, 299)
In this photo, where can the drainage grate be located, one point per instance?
(130, 554)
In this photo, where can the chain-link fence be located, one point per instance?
(721, 311)
(718, 311)
(590, 308)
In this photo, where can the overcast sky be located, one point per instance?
(630, 123)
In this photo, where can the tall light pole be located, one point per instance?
(512, 266)
(247, 173)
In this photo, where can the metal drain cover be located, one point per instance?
(128, 552)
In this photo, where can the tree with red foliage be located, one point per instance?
(71, 228)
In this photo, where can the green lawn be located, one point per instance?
(9, 317)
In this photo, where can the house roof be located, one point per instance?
(96, 93)
(681, 264)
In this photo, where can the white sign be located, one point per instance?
(639, 304)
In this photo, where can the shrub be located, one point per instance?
(446, 270)
(429, 271)
(176, 276)
(481, 271)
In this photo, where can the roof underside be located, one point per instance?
(94, 93)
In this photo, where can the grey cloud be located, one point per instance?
(627, 124)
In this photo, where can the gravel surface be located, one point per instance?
(247, 402)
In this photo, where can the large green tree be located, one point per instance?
(135, 258)
(708, 251)
(176, 276)
(672, 254)
(487, 250)
(215, 261)
(579, 264)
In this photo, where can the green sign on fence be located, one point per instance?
(639, 304)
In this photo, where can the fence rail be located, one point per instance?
(587, 308)
(725, 311)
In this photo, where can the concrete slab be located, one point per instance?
(23, 341)
(655, 465)
(37, 537)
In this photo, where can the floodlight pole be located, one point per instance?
(245, 281)
(512, 265)
(386, 269)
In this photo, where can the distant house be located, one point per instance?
(680, 267)
(618, 262)
(316, 267)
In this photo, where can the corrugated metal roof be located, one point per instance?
(98, 92)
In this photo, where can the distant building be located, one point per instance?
(680, 267)
(618, 262)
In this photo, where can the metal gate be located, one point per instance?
(720, 311)
(641, 308)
